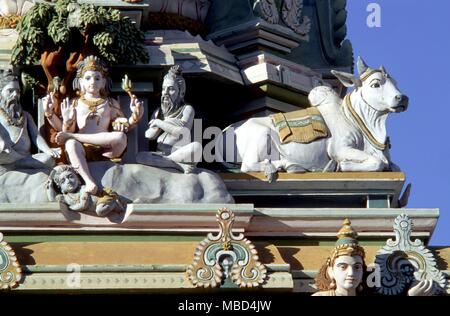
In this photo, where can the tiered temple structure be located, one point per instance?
(240, 60)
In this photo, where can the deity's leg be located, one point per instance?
(114, 142)
(76, 155)
(190, 153)
(187, 156)
(156, 160)
(104, 209)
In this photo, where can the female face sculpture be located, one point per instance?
(347, 272)
(343, 272)
(92, 82)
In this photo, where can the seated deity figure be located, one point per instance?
(93, 126)
(171, 126)
(18, 131)
(344, 271)
(64, 185)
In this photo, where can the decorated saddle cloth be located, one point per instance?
(303, 126)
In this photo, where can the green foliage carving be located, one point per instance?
(84, 27)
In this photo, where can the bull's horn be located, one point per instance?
(362, 66)
(383, 70)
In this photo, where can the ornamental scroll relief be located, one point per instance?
(291, 14)
(10, 271)
(403, 262)
(226, 256)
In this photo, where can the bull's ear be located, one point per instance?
(362, 66)
(347, 79)
(383, 70)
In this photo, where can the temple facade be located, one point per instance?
(237, 152)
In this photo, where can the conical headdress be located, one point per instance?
(347, 244)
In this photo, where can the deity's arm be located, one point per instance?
(134, 118)
(49, 102)
(136, 107)
(55, 122)
(116, 110)
(153, 132)
(175, 126)
(69, 115)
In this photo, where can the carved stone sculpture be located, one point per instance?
(10, 270)
(342, 274)
(171, 126)
(64, 185)
(403, 262)
(192, 9)
(133, 182)
(226, 256)
(85, 126)
(358, 139)
(291, 12)
(268, 10)
(18, 131)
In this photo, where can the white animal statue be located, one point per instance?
(357, 139)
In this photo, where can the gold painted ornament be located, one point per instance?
(10, 270)
(226, 256)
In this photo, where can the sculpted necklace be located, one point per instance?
(362, 126)
(92, 105)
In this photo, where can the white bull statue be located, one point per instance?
(356, 141)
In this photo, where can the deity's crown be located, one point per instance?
(347, 244)
(92, 63)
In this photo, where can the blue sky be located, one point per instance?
(413, 43)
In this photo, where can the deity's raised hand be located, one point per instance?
(67, 110)
(48, 103)
(136, 107)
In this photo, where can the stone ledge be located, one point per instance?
(365, 185)
(199, 219)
